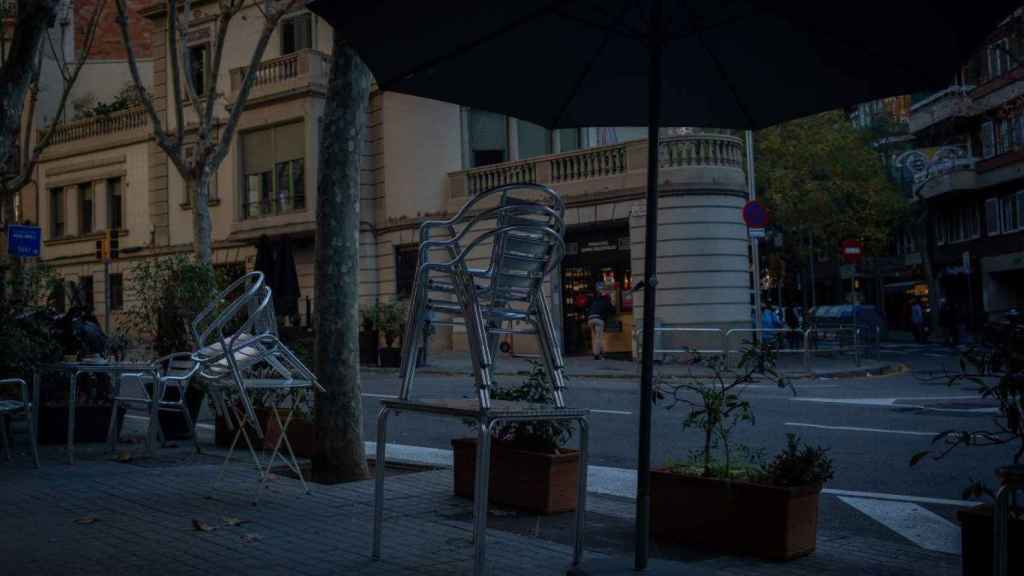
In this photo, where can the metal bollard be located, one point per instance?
(856, 347)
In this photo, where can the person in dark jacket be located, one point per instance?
(600, 309)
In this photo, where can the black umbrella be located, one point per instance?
(265, 259)
(286, 278)
(713, 63)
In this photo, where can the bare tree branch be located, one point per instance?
(172, 49)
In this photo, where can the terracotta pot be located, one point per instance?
(532, 481)
(771, 522)
(91, 423)
(977, 546)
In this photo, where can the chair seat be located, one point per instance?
(9, 406)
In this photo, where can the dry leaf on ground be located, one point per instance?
(86, 520)
(230, 521)
(201, 526)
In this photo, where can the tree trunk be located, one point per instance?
(340, 455)
(926, 247)
(202, 226)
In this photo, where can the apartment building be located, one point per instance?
(423, 158)
(968, 166)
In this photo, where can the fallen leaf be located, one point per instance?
(250, 538)
(201, 526)
(86, 520)
(229, 521)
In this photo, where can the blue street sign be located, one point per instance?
(23, 240)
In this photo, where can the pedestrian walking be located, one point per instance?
(917, 321)
(600, 309)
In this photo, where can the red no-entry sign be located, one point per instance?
(853, 251)
(755, 215)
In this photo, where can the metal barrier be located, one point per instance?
(811, 341)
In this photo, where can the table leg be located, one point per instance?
(72, 402)
(154, 412)
(378, 483)
(581, 492)
(483, 466)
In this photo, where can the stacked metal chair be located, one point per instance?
(23, 408)
(172, 373)
(240, 355)
(516, 232)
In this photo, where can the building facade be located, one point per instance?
(422, 158)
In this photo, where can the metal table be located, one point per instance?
(115, 370)
(500, 411)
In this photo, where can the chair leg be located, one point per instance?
(33, 437)
(113, 432)
(191, 428)
(3, 437)
(378, 482)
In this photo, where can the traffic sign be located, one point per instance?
(853, 251)
(23, 240)
(756, 232)
(755, 215)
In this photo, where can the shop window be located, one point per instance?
(86, 205)
(116, 292)
(406, 263)
(296, 33)
(274, 167)
(992, 216)
(56, 212)
(114, 206)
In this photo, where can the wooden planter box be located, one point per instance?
(532, 481)
(977, 546)
(91, 423)
(770, 522)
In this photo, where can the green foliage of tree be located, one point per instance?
(821, 173)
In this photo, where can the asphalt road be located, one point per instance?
(872, 426)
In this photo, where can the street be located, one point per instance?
(871, 425)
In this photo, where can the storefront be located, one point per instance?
(597, 259)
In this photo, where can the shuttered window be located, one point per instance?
(274, 170)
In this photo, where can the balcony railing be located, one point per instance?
(603, 163)
(304, 65)
(114, 123)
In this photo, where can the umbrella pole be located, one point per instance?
(643, 481)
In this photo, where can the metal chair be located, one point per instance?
(172, 373)
(239, 353)
(524, 225)
(517, 231)
(21, 407)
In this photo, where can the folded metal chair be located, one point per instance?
(240, 355)
(21, 407)
(172, 373)
(517, 231)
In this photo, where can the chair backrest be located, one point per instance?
(244, 306)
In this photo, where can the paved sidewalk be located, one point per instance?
(105, 517)
(792, 364)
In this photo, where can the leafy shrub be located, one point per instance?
(798, 465)
(25, 340)
(388, 318)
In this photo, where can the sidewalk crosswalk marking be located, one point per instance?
(915, 523)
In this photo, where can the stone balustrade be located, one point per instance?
(279, 73)
(604, 167)
(108, 124)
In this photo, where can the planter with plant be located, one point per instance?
(724, 498)
(530, 467)
(389, 321)
(996, 374)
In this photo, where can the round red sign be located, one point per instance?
(853, 251)
(755, 215)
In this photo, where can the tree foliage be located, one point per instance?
(821, 173)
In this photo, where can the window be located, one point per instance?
(406, 262)
(1003, 142)
(569, 139)
(488, 138)
(274, 168)
(86, 292)
(992, 216)
(1018, 132)
(988, 136)
(114, 206)
(56, 212)
(296, 33)
(86, 203)
(199, 61)
(534, 140)
(116, 292)
(1008, 211)
(971, 222)
(998, 58)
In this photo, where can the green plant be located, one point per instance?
(996, 373)
(537, 436)
(169, 292)
(715, 403)
(388, 318)
(798, 464)
(25, 340)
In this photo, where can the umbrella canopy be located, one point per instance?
(725, 64)
(708, 63)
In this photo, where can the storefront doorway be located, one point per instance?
(597, 257)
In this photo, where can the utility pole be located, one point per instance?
(754, 242)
